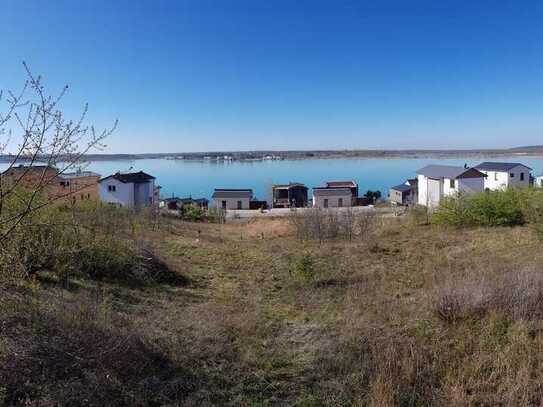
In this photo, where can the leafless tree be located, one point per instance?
(34, 131)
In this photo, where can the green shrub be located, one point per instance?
(193, 213)
(215, 215)
(490, 208)
(303, 268)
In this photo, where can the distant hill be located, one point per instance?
(528, 149)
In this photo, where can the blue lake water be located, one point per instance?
(199, 178)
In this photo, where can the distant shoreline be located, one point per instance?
(265, 155)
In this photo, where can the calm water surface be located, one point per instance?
(199, 178)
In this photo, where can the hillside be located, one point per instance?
(248, 314)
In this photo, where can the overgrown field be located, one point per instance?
(259, 314)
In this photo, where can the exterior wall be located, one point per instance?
(122, 196)
(430, 191)
(144, 193)
(61, 190)
(398, 196)
(231, 203)
(501, 179)
(79, 189)
(471, 185)
(539, 182)
(333, 201)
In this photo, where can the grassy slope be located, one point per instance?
(247, 330)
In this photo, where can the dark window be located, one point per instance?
(239, 204)
(111, 188)
(88, 196)
(522, 176)
(82, 196)
(326, 203)
(495, 176)
(512, 175)
(223, 204)
(340, 202)
(452, 183)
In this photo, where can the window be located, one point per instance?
(512, 175)
(522, 176)
(239, 204)
(111, 188)
(495, 176)
(223, 204)
(325, 203)
(340, 202)
(88, 196)
(452, 183)
(82, 196)
(64, 183)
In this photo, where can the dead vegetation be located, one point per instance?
(415, 315)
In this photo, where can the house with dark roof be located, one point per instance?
(134, 189)
(232, 198)
(504, 175)
(291, 195)
(324, 197)
(437, 181)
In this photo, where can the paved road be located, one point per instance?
(232, 214)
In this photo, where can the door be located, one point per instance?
(325, 203)
(239, 205)
(223, 204)
(340, 202)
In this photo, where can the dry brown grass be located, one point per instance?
(417, 315)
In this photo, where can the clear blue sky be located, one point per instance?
(239, 75)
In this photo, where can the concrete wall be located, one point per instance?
(231, 203)
(144, 193)
(122, 196)
(333, 201)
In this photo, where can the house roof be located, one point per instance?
(289, 185)
(341, 184)
(402, 188)
(78, 174)
(499, 167)
(232, 193)
(22, 167)
(331, 191)
(130, 177)
(412, 181)
(448, 171)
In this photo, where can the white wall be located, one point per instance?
(430, 191)
(333, 201)
(501, 180)
(539, 181)
(231, 203)
(123, 194)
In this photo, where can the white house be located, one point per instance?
(539, 181)
(505, 175)
(324, 197)
(232, 198)
(135, 189)
(438, 181)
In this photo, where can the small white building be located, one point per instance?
(135, 189)
(232, 198)
(324, 197)
(438, 181)
(505, 175)
(538, 182)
